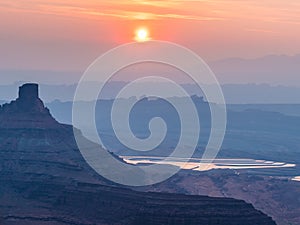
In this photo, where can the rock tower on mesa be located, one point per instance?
(27, 111)
(30, 91)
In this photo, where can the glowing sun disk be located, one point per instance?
(142, 35)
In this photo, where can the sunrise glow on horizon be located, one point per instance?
(65, 35)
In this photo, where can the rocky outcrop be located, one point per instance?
(45, 180)
(27, 111)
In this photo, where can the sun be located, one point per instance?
(142, 35)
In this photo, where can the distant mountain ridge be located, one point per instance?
(233, 93)
(268, 79)
(269, 69)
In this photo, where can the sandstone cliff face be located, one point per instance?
(44, 180)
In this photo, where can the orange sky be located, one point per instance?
(69, 34)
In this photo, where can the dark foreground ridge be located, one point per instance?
(44, 180)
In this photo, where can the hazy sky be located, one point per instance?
(70, 34)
